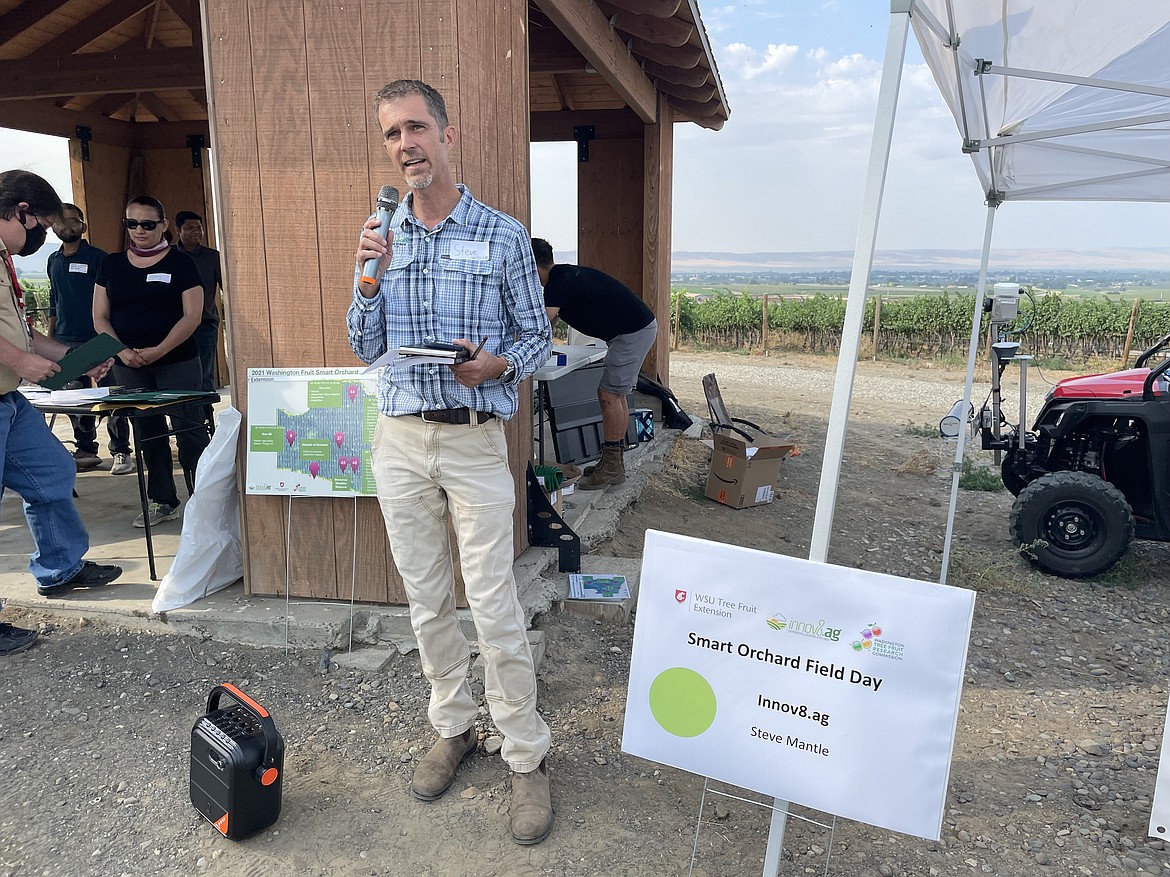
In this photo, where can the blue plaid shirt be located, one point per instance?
(432, 292)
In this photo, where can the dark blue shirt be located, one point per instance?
(207, 261)
(71, 280)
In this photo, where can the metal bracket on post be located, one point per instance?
(196, 142)
(84, 133)
(583, 134)
(547, 529)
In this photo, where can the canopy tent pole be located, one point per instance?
(972, 353)
(879, 159)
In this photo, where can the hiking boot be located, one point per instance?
(86, 459)
(436, 772)
(531, 811)
(15, 639)
(123, 464)
(610, 469)
(91, 575)
(158, 512)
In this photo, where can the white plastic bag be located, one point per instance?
(210, 556)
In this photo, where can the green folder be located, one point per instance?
(81, 359)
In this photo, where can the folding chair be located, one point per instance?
(721, 418)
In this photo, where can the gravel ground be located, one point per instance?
(1053, 770)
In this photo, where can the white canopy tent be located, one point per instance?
(1054, 100)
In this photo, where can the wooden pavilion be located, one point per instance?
(261, 108)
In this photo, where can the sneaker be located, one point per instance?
(123, 464)
(15, 639)
(158, 513)
(91, 575)
(86, 459)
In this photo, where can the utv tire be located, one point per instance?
(1086, 522)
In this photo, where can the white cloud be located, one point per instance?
(750, 63)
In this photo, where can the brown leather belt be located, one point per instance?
(455, 415)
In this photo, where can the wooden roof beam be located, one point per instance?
(105, 19)
(21, 17)
(557, 126)
(188, 14)
(111, 103)
(699, 95)
(42, 117)
(707, 114)
(656, 8)
(585, 26)
(154, 104)
(693, 77)
(103, 72)
(668, 31)
(563, 95)
(672, 56)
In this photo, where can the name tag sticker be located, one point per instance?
(78, 268)
(472, 250)
(158, 278)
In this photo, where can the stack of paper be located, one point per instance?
(77, 397)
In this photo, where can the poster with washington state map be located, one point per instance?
(309, 431)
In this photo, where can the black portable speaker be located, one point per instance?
(237, 765)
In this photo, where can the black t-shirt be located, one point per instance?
(145, 303)
(594, 303)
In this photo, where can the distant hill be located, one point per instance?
(1115, 258)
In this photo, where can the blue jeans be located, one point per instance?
(37, 466)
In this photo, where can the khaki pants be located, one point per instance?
(425, 472)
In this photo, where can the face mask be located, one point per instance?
(34, 238)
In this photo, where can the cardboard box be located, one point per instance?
(742, 474)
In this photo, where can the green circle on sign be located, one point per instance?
(682, 702)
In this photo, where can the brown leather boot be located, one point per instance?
(531, 810)
(436, 772)
(610, 469)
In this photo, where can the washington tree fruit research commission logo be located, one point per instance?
(682, 702)
(871, 641)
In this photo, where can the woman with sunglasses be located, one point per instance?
(151, 299)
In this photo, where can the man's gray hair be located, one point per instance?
(401, 88)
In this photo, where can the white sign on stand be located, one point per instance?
(1160, 811)
(830, 687)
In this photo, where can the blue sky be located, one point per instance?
(786, 172)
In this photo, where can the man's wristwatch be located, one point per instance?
(509, 372)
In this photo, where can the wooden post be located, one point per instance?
(1129, 334)
(877, 322)
(677, 311)
(764, 325)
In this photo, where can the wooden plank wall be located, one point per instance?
(101, 186)
(609, 207)
(99, 189)
(659, 163)
(170, 176)
(300, 159)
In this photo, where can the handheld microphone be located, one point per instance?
(387, 204)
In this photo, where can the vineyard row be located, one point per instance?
(926, 325)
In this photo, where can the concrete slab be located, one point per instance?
(108, 504)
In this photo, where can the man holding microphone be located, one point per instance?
(452, 269)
